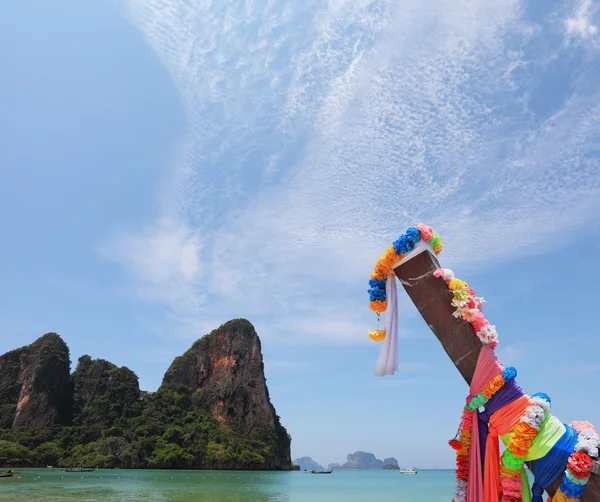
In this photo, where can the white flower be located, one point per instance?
(545, 405)
(487, 334)
(588, 441)
(447, 274)
(534, 416)
(459, 303)
(458, 313)
(460, 492)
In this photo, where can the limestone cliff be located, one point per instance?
(212, 411)
(225, 369)
(103, 392)
(34, 384)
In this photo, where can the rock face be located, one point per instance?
(102, 392)
(334, 466)
(226, 370)
(212, 410)
(34, 384)
(308, 464)
(362, 460)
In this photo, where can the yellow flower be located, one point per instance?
(461, 295)
(458, 285)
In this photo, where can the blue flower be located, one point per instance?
(509, 374)
(543, 396)
(571, 489)
(376, 283)
(413, 235)
(377, 291)
(403, 245)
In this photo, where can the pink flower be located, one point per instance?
(478, 321)
(581, 426)
(426, 232)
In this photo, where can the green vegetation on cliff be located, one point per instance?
(113, 424)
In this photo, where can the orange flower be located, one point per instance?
(378, 307)
(521, 440)
(493, 386)
(381, 270)
(465, 441)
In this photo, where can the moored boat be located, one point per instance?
(408, 471)
(322, 472)
(80, 469)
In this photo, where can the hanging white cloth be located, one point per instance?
(387, 364)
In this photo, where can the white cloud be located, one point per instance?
(164, 259)
(580, 23)
(318, 133)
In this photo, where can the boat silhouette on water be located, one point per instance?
(80, 469)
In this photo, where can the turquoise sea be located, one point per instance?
(54, 485)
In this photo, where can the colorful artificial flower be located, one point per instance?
(513, 457)
(392, 255)
(469, 307)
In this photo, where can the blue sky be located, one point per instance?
(167, 166)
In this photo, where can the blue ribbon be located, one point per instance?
(549, 467)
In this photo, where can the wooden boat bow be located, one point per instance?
(433, 300)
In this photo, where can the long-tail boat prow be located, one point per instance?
(565, 457)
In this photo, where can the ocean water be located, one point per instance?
(54, 485)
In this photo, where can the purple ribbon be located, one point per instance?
(506, 395)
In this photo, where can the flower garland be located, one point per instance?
(579, 466)
(384, 266)
(491, 388)
(462, 447)
(513, 458)
(469, 307)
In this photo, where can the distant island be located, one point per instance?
(364, 460)
(308, 464)
(212, 410)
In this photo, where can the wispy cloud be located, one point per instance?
(581, 24)
(318, 132)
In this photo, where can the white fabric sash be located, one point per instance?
(387, 364)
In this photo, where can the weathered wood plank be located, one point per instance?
(432, 298)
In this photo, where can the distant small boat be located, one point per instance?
(408, 471)
(8, 474)
(80, 469)
(322, 472)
